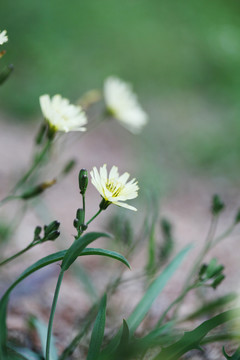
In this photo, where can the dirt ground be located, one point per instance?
(187, 207)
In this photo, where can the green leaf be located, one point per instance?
(192, 339)
(236, 355)
(108, 253)
(212, 306)
(31, 269)
(25, 353)
(42, 329)
(77, 247)
(98, 331)
(145, 303)
(154, 290)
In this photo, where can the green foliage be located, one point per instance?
(41, 328)
(98, 331)
(192, 339)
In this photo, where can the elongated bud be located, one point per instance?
(83, 181)
(53, 235)
(53, 226)
(217, 205)
(218, 281)
(35, 191)
(80, 216)
(37, 232)
(69, 166)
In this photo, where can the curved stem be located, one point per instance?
(54, 304)
(17, 254)
(36, 162)
(89, 221)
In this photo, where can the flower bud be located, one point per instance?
(76, 223)
(53, 226)
(37, 190)
(37, 232)
(53, 235)
(69, 166)
(80, 216)
(83, 181)
(217, 205)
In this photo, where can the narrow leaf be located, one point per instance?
(77, 247)
(42, 333)
(145, 303)
(154, 290)
(192, 339)
(98, 331)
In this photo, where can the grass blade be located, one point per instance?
(98, 331)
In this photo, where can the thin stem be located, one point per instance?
(17, 254)
(8, 199)
(176, 301)
(89, 221)
(54, 304)
(208, 245)
(36, 162)
(224, 235)
(206, 248)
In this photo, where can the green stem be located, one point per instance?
(9, 198)
(208, 245)
(54, 304)
(176, 301)
(89, 221)
(17, 254)
(37, 161)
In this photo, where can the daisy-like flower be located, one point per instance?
(123, 104)
(3, 37)
(61, 115)
(113, 188)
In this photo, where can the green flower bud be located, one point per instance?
(80, 216)
(76, 223)
(218, 281)
(53, 235)
(37, 232)
(69, 166)
(83, 181)
(53, 226)
(37, 190)
(217, 205)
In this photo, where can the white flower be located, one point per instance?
(62, 115)
(3, 37)
(123, 104)
(114, 188)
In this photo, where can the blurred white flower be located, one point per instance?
(123, 104)
(113, 188)
(61, 115)
(3, 37)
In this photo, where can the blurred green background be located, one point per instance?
(183, 58)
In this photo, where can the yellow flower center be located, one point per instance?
(113, 187)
